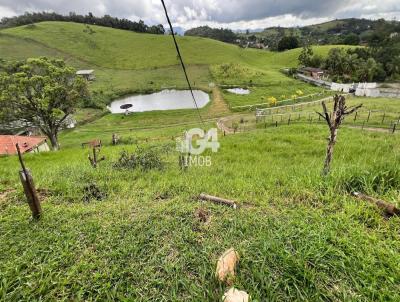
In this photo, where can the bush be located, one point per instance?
(144, 159)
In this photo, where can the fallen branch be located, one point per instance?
(389, 209)
(218, 200)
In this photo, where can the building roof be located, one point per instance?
(312, 69)
(84, 72)
(26, 143)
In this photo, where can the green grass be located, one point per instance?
(300, 237)
(130, 63)
(380, 113)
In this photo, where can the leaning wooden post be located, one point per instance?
(394, 128)
(369, 115)
(29, 188)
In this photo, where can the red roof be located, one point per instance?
(26, 143)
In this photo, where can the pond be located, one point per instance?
(164, 100)
(239, 91)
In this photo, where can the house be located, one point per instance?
(27, 144)
(87, 74)
(315, 73)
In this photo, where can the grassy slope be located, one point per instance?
(127, 62)
(300, 237)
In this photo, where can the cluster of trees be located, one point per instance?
(40, 92)
(378, 63)
(220, 34)
(107, 21)
(288, 42)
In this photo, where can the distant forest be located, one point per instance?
(221, 34)
(107, 21)
(337, 32)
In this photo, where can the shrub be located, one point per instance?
(272, 101)
(144, 159)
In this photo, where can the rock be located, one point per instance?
(226, 265)
(235, 295)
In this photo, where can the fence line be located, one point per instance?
(372, 118)
(284, 101)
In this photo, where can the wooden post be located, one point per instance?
(394, 128)
(369, 115)
(289, 119)
(94, 161)
(29, 188)
(384, 115)
(355, 116)
(276, 124)
(114, 139)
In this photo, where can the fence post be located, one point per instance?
(276, 124)
(369, 114)
(289, 119)
(394, 128)
(355, 116)
(384, 115)
(29, 188)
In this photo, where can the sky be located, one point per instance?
(234, 14)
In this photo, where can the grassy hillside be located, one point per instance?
(332, 32)
(300, 237)
(127, 62)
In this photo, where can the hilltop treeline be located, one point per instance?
(220, 34)
(379, 62)
(346, 31)
(107, 21)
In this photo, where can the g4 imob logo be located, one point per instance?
(194, 143)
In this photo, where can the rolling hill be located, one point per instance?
(127, 62)
(123, 233)
(332, 32)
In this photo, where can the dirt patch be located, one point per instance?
(203, 216)
(92, 192)
(4, 194)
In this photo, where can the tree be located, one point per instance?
(288, 42)
(306, 55)
(334, 120)
(40, 92)
(351, 39)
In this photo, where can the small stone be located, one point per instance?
(235, 295)
(226, 265)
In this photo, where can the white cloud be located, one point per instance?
(6, 12)
(235, 14)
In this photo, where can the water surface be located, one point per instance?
(164, 100)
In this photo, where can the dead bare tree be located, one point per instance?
(94, 161)
(334, 120)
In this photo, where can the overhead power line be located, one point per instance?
(182, 63)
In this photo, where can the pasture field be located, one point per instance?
(300, 236)
(377, 113)
(119, 233)
(131, 63)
